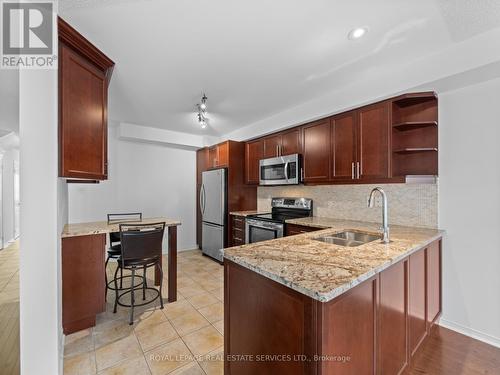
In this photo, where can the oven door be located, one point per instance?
(283, 170)
(260, 230)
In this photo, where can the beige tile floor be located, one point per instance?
(186, 337)
(9, 309)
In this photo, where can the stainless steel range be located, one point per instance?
(262, 227)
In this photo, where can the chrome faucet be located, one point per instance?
(385, 220)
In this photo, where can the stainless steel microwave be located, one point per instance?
(282, 170)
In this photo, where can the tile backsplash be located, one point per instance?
(409, 204)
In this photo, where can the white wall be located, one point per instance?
(153, 179)
(469, 209)
(8, 194)
(40, 277)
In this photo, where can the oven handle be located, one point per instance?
(286, 171)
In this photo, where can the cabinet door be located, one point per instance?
(343, 128)
(349, 327)
(290, 142)
(212, 157)
(416, 307)
(316, 148)
(83, 285)
(222, 154)
(83, 117)
(433, 281)
(373, 141)
(272, 145)
(254, 151)
(392, 353)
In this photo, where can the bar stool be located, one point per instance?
(114, 250)
(141, 248)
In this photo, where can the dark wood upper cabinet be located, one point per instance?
(254, 151)
(316, 151)
(272, 146)
(283, 143)
(373, 141)
(343, 132)
(290, 142)
(218, 155)
(382, 142)
(84, 74)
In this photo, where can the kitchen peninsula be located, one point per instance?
(324, 308)
(83, 269)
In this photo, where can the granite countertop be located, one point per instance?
(324, 271)
(244, 213)
(100, 227)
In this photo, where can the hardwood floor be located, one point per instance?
(9, 310)
(448, 352)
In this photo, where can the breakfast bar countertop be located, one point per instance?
(100, 227)
(321, 270)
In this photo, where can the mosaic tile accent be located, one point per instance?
(414, 205)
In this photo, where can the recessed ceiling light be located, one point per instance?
(357, 33)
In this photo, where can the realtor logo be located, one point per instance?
(28, 34)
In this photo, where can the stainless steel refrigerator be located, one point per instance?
(213, 205)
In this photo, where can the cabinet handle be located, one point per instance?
(352, 170)
(277, 150)
(358, 169)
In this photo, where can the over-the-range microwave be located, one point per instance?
(282, 170)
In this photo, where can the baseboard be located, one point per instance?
(484, 337)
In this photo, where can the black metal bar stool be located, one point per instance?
(114, 250)
(141, 248)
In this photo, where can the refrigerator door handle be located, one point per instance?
(202, 199)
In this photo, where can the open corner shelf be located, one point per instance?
(415, 134)
(414, 98)
(411, 125)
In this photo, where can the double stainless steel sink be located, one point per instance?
(349, 238)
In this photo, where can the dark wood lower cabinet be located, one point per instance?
(392, 354)
(417, 322)
(374, 328)
(83, 285)
(238, 230)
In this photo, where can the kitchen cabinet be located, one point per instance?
(433, 282)
(316, 151)
(292, 229)
(281, 144)
(382, 142)
(84, 75)
(238, 230)
(417, 324)
(290, 142)
(218, 155)
(254, 151)
(372, 324)
(415, 134)
(373, 141)
(343, 146)
(272, 145)
(392, 356)
(83, 284)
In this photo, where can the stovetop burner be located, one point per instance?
(285, 209)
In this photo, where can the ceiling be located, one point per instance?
(257, 58)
